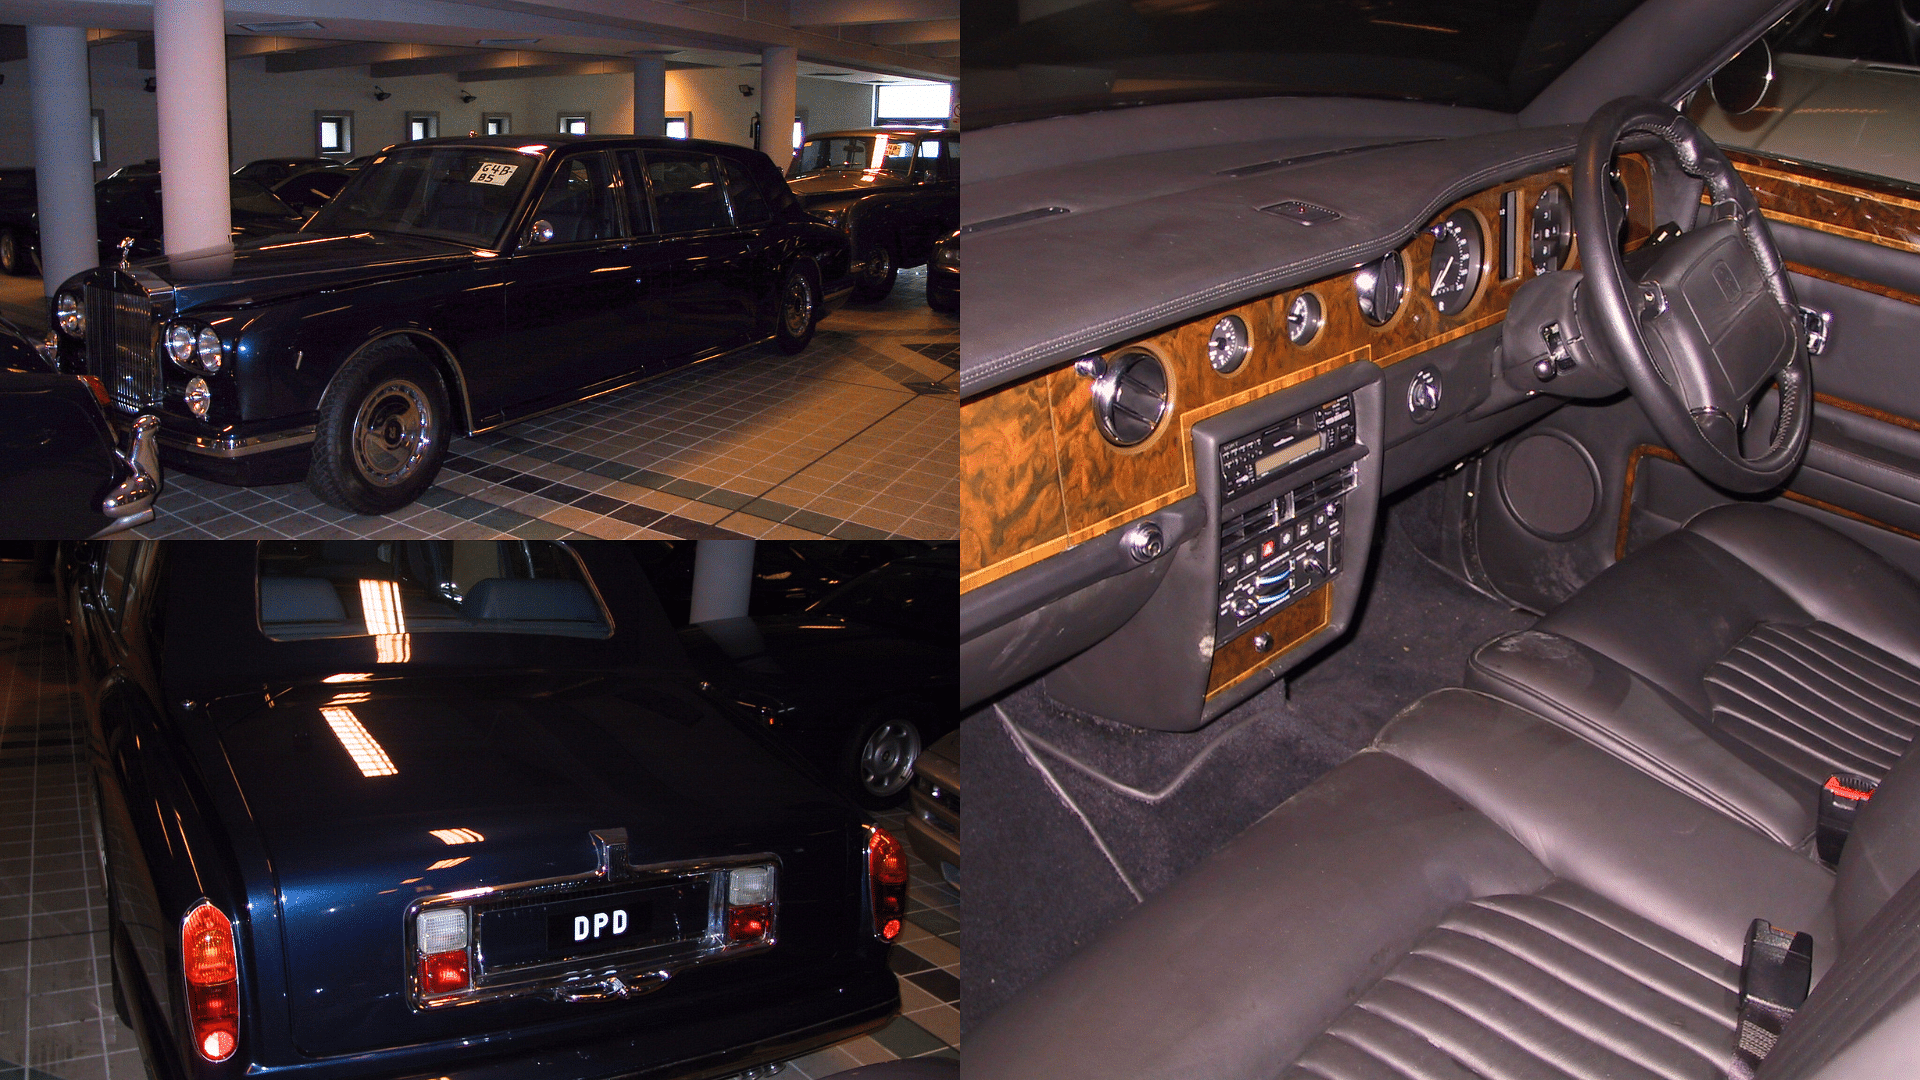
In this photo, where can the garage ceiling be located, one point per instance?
(848, 40)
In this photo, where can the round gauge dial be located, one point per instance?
(1228, 345)
(1458, 253)
(1551, 235)
(1380, 287)
(1303, 318)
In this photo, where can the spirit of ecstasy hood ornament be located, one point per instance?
(126, 247)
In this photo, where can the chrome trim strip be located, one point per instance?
(233, 446)
(590, 978)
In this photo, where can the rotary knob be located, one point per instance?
(1423, 393)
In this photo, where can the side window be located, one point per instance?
(1842, 95)
(639, 209)
(582, 201)
(687, 195)
(896, 156)
(950, 159)
(750, 205)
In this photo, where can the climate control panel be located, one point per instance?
(1279, 551)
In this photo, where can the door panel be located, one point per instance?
(703, 272)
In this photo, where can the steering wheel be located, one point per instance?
(1699, 325)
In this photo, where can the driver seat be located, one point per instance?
(1743, 659)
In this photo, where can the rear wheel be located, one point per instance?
(12, 261)
(798, 312)
(876, 281)
(382, 432)
(881, 755)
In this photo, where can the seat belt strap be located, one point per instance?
(1841, 798)
(1776, 971)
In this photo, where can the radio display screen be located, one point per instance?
(1290, 454)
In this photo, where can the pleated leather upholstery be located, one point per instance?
(1559, 984)
(1817, 699)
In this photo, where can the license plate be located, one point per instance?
(519, 934)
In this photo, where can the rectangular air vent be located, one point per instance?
(1013, 219)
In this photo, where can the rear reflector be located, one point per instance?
(442, 973)
(750, 923)
(886, 882)
(213, 981)
(751, 894)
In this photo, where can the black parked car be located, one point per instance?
(309, 191)
(129, 206)
(943, 275)
(894, 191)
(19, 226)
(271, 171)
(456, 285)
(860, 681)
(436, 807)
(65, 474)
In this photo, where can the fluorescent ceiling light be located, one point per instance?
(281, 27)
(508, 41)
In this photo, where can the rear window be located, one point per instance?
(394, 589)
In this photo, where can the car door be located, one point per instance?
(575, 288)
(935, 197)
(700, 267)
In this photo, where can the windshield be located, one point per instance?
(394, 589)
(854, 153)
(1032, 58)
(465, 194)
(915, 596)
(251, 198)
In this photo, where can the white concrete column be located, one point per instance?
(722, 576)
(62, 150)
(190, 65)
(779, 96)
(649, 95)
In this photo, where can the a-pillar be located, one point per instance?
(722, 579)
(62, 150)
(779, 100)
(190, 68)
(649, 95)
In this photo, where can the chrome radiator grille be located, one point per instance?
(120, 347)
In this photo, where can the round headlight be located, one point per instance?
(180, 344)
(199, 396)
(71, 317)
(208, 349)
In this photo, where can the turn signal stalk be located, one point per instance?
(213, 981)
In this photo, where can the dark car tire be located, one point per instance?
(942, 303)
(796, 309)
(383, 430)
(13, 260)
(879, 756)
(876, 281)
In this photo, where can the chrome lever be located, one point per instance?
(1815, 325)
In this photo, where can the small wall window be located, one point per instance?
(912, 103)
(423, 125)
(496, 123)
(99, 136)
(680, 125)
(333, 134)
(575, 123)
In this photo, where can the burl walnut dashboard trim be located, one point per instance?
(1284, 629)
(1037, 477)
(1865, 208)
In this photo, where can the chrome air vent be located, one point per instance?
(1129, 396)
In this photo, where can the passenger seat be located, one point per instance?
(1744, 659)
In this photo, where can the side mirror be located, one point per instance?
(1742, 82)
(540, 232)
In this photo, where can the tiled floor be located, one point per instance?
(56, 1000)
(856, 438)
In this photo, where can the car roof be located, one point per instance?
(554, 141)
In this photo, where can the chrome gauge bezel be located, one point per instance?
(1381, 288)
(1543, 254)
(1459, 252)
(1304, 319)
(1228, 344)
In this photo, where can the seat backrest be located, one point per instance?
(291, 601)
(1882, 853)
(523, 600)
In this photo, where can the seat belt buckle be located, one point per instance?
(1776, 971)
(1841, 798)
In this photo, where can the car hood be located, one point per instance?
(830, 187)
(292, 263)
(370, 795)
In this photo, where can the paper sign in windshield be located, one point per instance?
(496, 173)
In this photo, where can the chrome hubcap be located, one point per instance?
(796, 313)
(886, 762)
(878, 265)
(393, 432)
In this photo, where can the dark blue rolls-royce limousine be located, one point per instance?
(454, 286)
(437, 808)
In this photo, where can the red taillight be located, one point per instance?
(100, 394)
(749, 923)
(887, 881)
(213, 981)
(442, 972)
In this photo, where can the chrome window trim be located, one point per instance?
(614, 974)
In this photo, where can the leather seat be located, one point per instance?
(1743, 659)
(1484, 893)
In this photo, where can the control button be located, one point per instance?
(1266, 550)
(1262, 642)
(1248, 559)
(1143, 541)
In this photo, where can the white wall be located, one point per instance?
(272, 115)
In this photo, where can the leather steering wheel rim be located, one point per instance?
(1705, 432)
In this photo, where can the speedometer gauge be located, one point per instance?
(1552, 230)
(1458, 252)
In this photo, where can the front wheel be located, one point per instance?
(876, 280)
(383, 431)
(799, 310)
(11, 261)
(881, 756)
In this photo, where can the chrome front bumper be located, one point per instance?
(131, 502)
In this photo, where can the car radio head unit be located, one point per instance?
(1250, 460)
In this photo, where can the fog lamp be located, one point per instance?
(68, 313)
(199, 396)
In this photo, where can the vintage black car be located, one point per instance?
(449, 808)
(271, 171)
(65, 474)
(894, 191)
(858, 682)
(943, 275)
(309, 191)
(455, 285)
